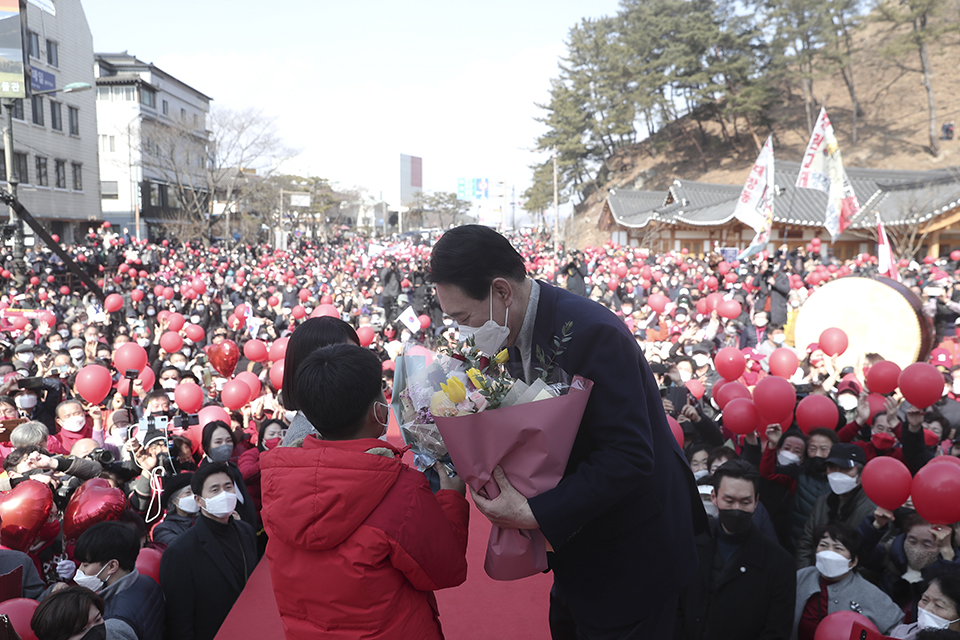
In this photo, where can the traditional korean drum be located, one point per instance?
(879, 315)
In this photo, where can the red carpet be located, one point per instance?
(479, 609)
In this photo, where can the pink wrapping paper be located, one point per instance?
(532, 443)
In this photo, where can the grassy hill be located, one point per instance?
(892, 134)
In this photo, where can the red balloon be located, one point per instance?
(815, 412)
(158, 291)
(839, 625)
(130, 356)
(64, 290)
(276, 375)
(255, 350)
(741, 416)
(278, 350)
(833, 341)
(23, 512)
(212, 414)
(273, 301)
(93, 383)
(936, 493)
(424, 322)
(729, 363)
(188, 396)
(885, 480)
(195, 332)
(171, 341)
(304, 295)
(299, 312)
(702, 308)
(48, 318)
(224, 357)
(883, 377)
(97, 502)
(199, 285)
(146, 378)
(136, 295)
(921, 384)
(114, 302)
(711, 282)
(783, 362)
(366, 335)
(695, 387)
(327, 299)
(168, 292)
(730, 391)
(729, 309)
(775, 399)
(658, 302)
(325, 310)
(240, 311)
(235, 394)
(675, 430)
(176, 321)
(20, 612)
(20, 322)
(713, 301)
(148, 563)
(945, 459)
(251, 380)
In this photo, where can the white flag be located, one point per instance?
(410, 320)
(822, 169)
(757, 195)
(885, 262)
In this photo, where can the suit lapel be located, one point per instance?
(212, 548)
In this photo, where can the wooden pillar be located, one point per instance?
(933, 249)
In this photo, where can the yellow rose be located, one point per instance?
(454, 390)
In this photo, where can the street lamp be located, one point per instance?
(13, 179)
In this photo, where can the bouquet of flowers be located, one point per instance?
(463, 406)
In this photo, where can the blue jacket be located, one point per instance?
(622, 520)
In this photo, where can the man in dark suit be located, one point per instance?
(746, 586)
(621, 522)
(205, 569)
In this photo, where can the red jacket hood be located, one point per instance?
(326, 489)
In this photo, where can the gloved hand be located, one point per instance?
(66, 569)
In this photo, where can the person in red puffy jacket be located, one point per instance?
(357, 542)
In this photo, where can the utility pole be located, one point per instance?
(513, 207)
(556, 205)
(13, 179)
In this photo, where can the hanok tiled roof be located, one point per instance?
(635, 208)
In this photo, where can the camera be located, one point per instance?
(101, 456)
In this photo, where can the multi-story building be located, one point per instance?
(153, 142)
(55, 135)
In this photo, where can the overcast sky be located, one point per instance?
(355, 84)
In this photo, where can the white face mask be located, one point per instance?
(188, 504)
(703, 473)
(221, 505)
(289, 415)
(64, 333)
(55, 346)
(168, 383)
(841, 483)
(144, 342)
(121, 433)
(685, 376)
(74, 423)
(76, 354)
(94, 583)
(927, 620)
(847, 401)
(701, 360)
(26, 357)
(778, 339)
(956, 387)
(27, 401)
(831, 564)
(489, 338)
(786, 458)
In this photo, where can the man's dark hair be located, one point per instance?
(106, 541)
(471, 256)
(717, 453)
(64, 613)
(830, 434)
(336, 386)
(737, 470)
(696, 448)
(793, 433)
(207, 434)
(948, 579)
(200, 475)
(313, 334)
(842, 534)
(937, 634)
(774, 327)
(18, 454)
(154, 395)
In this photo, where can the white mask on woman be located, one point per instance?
(831, 564)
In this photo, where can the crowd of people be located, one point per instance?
(792, 535)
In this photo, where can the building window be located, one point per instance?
(166, 108)
(77, 176)
(107, 143)
(36, 105)
(148, 97)
(103, 93)
(3, 170)
(74, 121)
(20, 164)
(53, 53)
(18, 108)
(41, 164)
(124, 94)
(183, 114)
(109, 189)
(33, 43)
(56, 117)
(60, 171)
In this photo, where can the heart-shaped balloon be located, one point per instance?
(224, 357)
(23, 512)
(90, 504)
